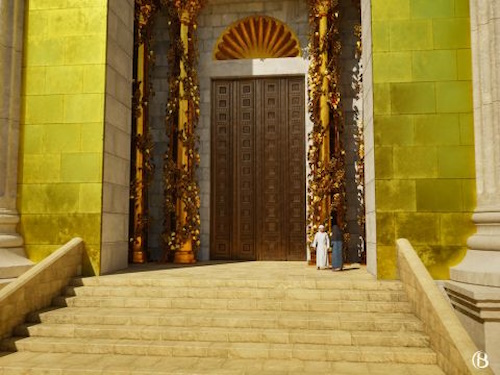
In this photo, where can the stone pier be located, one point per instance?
(12, 257)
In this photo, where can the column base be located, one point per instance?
(13, 263)
(184, 257)
(478, 309)
(478, 267)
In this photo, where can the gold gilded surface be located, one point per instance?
(424, 157)
(60, 173)
(257, 37)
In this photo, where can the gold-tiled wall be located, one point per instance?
(61, 157)
(423, 129)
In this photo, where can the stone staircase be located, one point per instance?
(178, 321)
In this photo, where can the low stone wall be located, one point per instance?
(448, 337)
(35, 289)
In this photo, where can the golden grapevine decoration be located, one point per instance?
(143, 167)
(180, 179)
(327, 176)
(359, 142)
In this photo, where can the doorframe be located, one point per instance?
(241, 69)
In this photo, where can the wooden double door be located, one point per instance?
(258, 169)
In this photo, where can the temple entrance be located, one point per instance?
(258, 175)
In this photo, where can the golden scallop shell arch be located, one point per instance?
(257, 37)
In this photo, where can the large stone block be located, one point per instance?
(410, 35)
(455, 228)
(469, 194)
(76, 21)
(93, 78)
(407, 98)
(50, 198)
(83, 108)
(392, 67)
(390, 10)
(35, 80)
(395, 195)
(81, 167)
(394, 130)
(437, 65)
(415, 162)
(59, 138)
(86, 49)
(451, 33)
(419, 228)
(33, 164)
(44, 109)
(33, 140)
(45, 52)
(456, 162)
(434, 195)
(464, 64)
(437, 129)
(90, 197)
(434, 9)
(92, 137)
(454, 96)
(383, 163)
(382, 98)
(386, 233)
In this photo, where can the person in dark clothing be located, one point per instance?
(336, 240)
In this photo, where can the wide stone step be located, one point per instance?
(23, 363)
(301, 282)
(243, 319)
(238, 292)
(233, 304)
(256, 351)
(211, 334)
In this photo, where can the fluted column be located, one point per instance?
(11, 44)
(474, 286)
(481, 264)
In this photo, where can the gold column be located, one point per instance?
(324, 157)
(185, 254)
(138, 252)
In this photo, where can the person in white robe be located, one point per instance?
(321, 243)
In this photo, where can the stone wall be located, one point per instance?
(352, 106)
(117, 132)
(159, 77)
(367, 116)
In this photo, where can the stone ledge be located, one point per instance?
(36, 288)
(13, 264)
(448, 337)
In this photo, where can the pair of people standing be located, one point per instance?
(322, 243)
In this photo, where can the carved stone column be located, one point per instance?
(475, 283)
(11, 44)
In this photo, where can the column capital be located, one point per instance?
(188, 10)
(322, 7)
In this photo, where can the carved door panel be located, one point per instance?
(258, 169)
